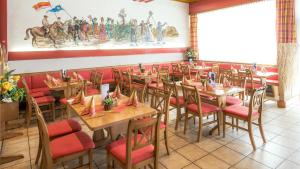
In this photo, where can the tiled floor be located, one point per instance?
(282, 150)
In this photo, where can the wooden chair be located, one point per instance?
(195, 107)
(155, 68)
(161, 103)
(95, 88)
(117, 77)
(249, 82)
(141, 91)
(157, 84)
(141, 147)
(216, 69)
(34, 94)
(176, 101)
(186, 71)
(56, 151)
(129, 85)
(57, 129)
(249, 114)
(43, 101)
(164, 68)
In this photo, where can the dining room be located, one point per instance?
(149, 84)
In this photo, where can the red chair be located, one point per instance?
(95, 88)
(34, 94)
(249, 114)
(139, 149)
(63, 148)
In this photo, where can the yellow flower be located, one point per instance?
(16, 78)
(7, 86)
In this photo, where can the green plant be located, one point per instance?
(190, 53)
(9, 90)
(108, 101)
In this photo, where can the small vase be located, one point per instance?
(107, 107)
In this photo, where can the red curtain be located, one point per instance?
(193, 32)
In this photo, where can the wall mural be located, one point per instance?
(74, 30)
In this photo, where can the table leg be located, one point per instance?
(99, 138)
(221, 103)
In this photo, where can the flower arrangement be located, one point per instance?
(9, 92)
(190, 53)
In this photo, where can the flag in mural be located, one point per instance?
(57, 8)
(145, 1)
(41, 5)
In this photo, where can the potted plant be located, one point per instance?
(108, 103)
(190, 54)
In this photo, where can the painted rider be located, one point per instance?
(46, 25)
(60, 24)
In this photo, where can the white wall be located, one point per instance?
(29, 66)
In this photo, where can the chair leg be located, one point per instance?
(224, 124)
(218, 122)
(185, 122)
(53, 110)
(251, 135)
(178, 117)
(108, 161)
(39, 151)
(232, 122)
(200, 129)
(261, 130)
(237, 124)
(90, 159)
(29, 114)
(80, 161)
(166, 141)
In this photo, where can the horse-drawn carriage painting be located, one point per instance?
(97, 31)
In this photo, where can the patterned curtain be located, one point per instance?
(193, 33)
(286, 48)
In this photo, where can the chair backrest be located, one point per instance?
(176, 68)
(216, 69)
(43, 132)
(28, 96)
(226, 73)
(142, 133)
(127, 83)
(246, 77)
(171, 87)
(164, 68)
(155, 67)
(73, 89)
(186, 71)
(162, 75)
(141, 92)
(93, 76)
(98, 80)
(117, 75)
(191, 96)
(256, 101)
(160, 101)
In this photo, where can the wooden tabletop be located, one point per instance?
(117, 115)
(201, 68)
(260, 74)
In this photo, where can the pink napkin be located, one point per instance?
(77, 76)
(80, 98)
(185, 81)
(55, 82)
(91, 109)
(48, 77)
(117, 93)
(133, 99)
(226, 82)
(209, 87)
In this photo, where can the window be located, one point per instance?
(245, 33)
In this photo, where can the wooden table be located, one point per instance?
(200, 68)
(105, 119)
(145, 77)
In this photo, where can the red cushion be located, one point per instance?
(273, 82)
(45, 90)
(255, 85)
(155, 85)
(63, 127)
(206, 108)
(63, 101)
(230, 100)
(37, 81)
(71, 144)
(238, 110)
(118, 149)
(37, 94)
(92, 91)
(173, 101)
(44, 99)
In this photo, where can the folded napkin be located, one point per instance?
(209, 87)
(91, 109)
(117, 93)
(77, 76)
(226, 82)
(55, 82)
(185, 81)
(80, 98)
(48, 77)
(133, 99)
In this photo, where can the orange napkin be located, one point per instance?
(226, 82)
(48, 77)
(80, 98)
(185, 81)
(55, 82)
(117, 93)
(75, 75)
(209, 87)
(133, 99)
(91, 109)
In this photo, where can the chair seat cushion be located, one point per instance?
(173, 101)
(37, 94)
(44, 99)
(63, 101)
(118, 150)
(63, 127)
(272, 82)
(238, 110)
(255, 85)
(231, 100)
(44, 90)
(206, 108)
(70, 144)
(92, 91)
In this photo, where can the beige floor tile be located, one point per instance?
(176, 142)
(25, 165)
(288, 165)
(295, 157)
(286, 142)
(208, 145)
(162, 149)
(174, 161)
(248, 163)
(220, 139)
(191, 166)
(211, 162)
(277, 149)
(240, 147)
(228, 155)
(258, 140)
(192, 152)
(266, 158)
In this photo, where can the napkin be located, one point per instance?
(117, 92)
(226, 82)
(185, 81)
(209, 87)
(80, 98)
(133, 99)
(48, 77)
(55, 82)
(77, 76)
(91, 109)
